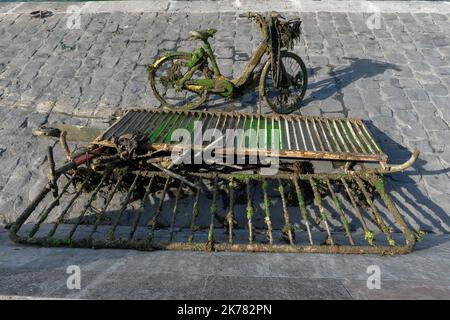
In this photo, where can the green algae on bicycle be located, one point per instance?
(184, 80)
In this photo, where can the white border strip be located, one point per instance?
(204, 6)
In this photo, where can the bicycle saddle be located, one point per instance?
(202, 34)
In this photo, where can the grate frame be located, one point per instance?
(300, 137)
(113, 181)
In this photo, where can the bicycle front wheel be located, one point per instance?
(287, 97)
(163, 76)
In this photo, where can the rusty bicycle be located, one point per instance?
(184, 80)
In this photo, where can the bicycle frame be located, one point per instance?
(219, 85)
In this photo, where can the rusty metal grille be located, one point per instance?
(297, 136)
(146, 210)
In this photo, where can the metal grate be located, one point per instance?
(147, 210)
(297, 136)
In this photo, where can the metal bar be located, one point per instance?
(206, 122)
(118, 125)
(126, 125)
(366, 142)
(280, 133)
(63, 142)
(43, 216)
(220, 247)
(267, 134)
(103, 210)
(199, 133)
(244, 128)
(318, 135)
(158, 119)
(156, 133)
(175, 211)
(409, 237)
(288, 134)
(295, 135)
(51, 172)
(272, 137)
(301, 204)
(15, 227)
(332, 135)
(217, 123)
(330, 147)
(287, 223)
(213, 210)
(342, 216)
(340, 136)
(238, 126)
(224, 123)
(185, 122)
(360, 217)
(257, 131)
(173, 175)
(88, 204)
(370, 138)
(267, 204)
(258, 177)
(123, 207)
(310, 135)
(283, 153)
(148, 121)
(230, 214)
(355, 136)
(220, 113)
(318, 201)
(195, 213)
(250, 140)
(142, 121)
(168, 129)
(376, 216)
(59, 220)
(349, 138)
(238, 122)
(153, 123)
(155, 218)
(300, 128)
(249, 214)
(147, 192)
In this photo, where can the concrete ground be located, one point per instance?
(29, 272)
(385, 62)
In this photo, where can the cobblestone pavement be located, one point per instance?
(396, 77)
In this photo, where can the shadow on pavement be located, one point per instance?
(342, 77)
(419, 210)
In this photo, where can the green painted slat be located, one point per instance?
(280, 134)
(168, 128)
(154, 135)
(257, 132)
(182, 125)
